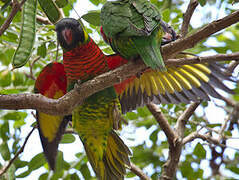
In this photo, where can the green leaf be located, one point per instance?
(186, 169)
(10, 175)
(166, 15)
(234, 169)
(24, 174)
(202, 2)
(4, 150)
(67, 138)
(36, 162)
(95, 2)
(214, 125)
(44, 176)
(154, 136)
(131, 115)
(92, 17)
(59, 162)
(41, 50)
(143, 112)
(61, 3)
(16, 116)
(199, 151)
(18, 78)
(5, 79)
(85, 171)
(4, 131)
(74, 177)
(19, 163)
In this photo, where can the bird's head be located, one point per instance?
(70, 33)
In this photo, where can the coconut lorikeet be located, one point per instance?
(134, 26)
(51, 83)
(100, 114)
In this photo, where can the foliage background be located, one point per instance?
(199, 159)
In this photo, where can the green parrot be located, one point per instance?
(97, 119)
(134, 26)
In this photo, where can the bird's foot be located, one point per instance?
(77, 85)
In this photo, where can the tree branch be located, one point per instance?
(203, 59)
(65, 104)
(5, 168)
(163, 123)
(138, 172)
(16, 7)
(170, 167)
(190, 41)
(183, 119)
(43, 20)
(187, 17)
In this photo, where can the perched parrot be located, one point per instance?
(180, 84)
(134, 28)
(100, 114)
(51, 83)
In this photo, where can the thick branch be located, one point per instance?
(163, 123)
(187, 17)
(65, 104)
(190, 41)
(170, 167)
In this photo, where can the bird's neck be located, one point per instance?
(84, 62)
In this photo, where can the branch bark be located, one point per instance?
(138, 172)
(163, 123)
(187, 17)
(65, 104)
(170, 167)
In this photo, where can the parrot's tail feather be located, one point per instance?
(50, 146)
(115, 160)
(150, 54)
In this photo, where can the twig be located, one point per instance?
(138, 172)
(43, 20)
(203, 59)
(196, 135)
(70, 131)
(16, 7)
(163, 123)
(228, 101)
(231, 67)
(187, 17)
(5, 168)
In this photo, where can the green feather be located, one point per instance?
(135, 29)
